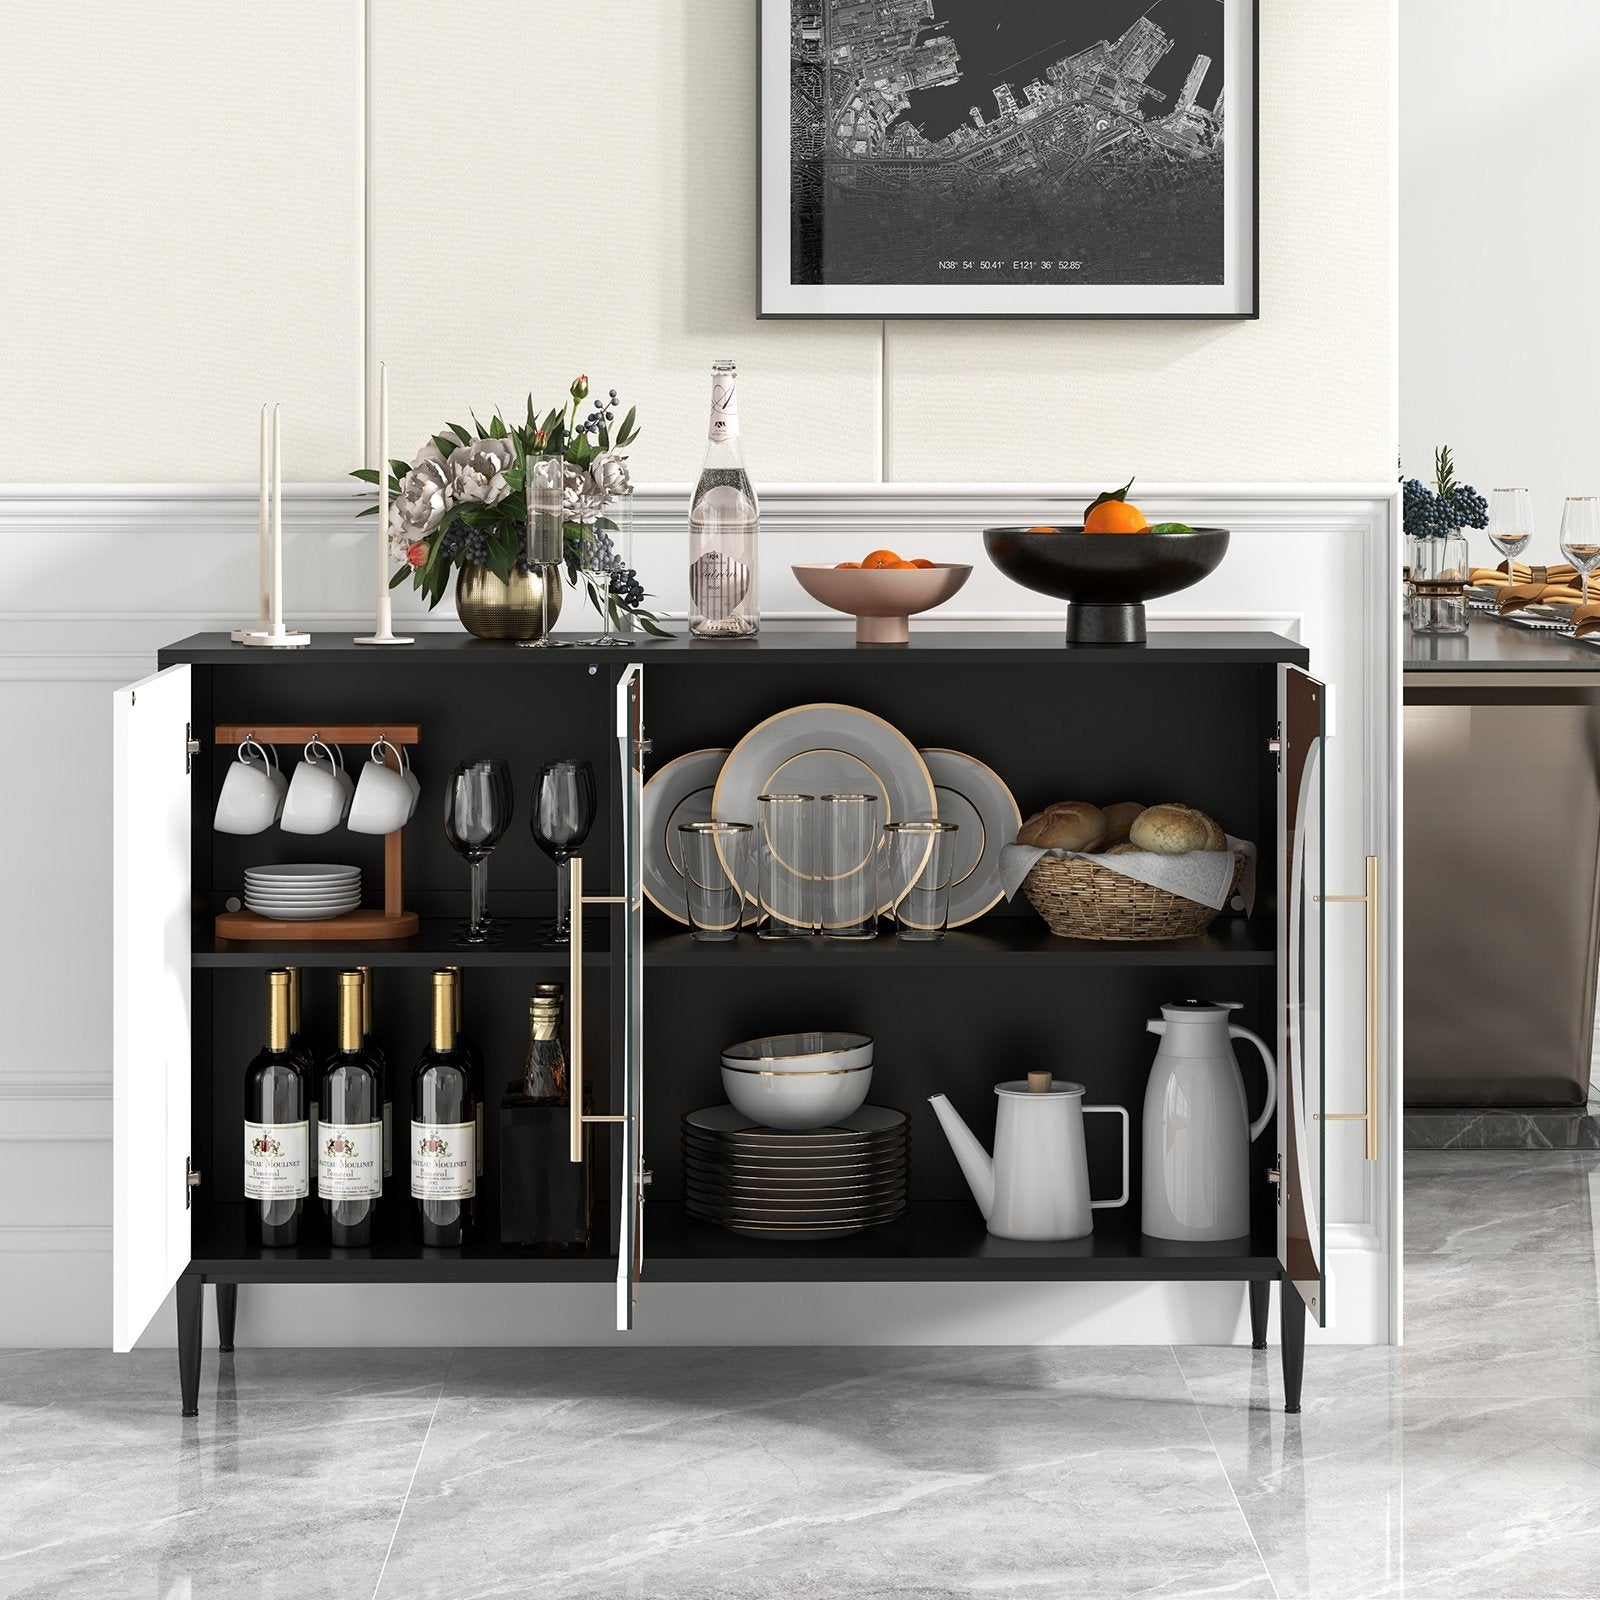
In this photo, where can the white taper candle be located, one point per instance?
(264, 531)
(383, 480)
(277, 521)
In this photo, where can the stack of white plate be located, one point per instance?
(302, 891)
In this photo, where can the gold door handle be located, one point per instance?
(1370, 901)
(577, 900)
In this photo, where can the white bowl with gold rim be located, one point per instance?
(795, 1100)
(801, 1052)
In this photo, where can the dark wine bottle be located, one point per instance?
(444, 1126)
(276, 1154)
(350, 1152)
(545, 1196)
(473, 1051)
(301, 1050)
(380, 1059)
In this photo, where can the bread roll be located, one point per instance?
(1126, 848)
(1120, 819)
(1174, 830)
(1067, 825)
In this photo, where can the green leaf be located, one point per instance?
(483, 433)
(366, 474)
(626, 434)
(460, 433)
(650, 625)
(605, 437)
(532, 425)
(400, 576)
(515, 476)
(497, 429)
(398, 469)
(445, 445)
(370, 511)
(1110, 494)
(501, 562)
(1172, 527)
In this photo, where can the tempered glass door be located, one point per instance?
(630, 756)
(1301, 1067)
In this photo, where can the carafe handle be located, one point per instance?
(1122, 1199)
(1272, 1079)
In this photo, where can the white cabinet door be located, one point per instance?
(150, 1003)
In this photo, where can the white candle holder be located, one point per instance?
(275, 635)
(384, 632)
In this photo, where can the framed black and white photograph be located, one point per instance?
(968, 158)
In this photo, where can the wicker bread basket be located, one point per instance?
(1080, 899)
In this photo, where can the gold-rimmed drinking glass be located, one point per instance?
(1580, 535)
(1510, 526)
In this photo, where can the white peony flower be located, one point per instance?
(583, 499)
(610, 474)
(425, 495)
(478, 471)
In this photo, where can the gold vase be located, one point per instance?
(490, 609)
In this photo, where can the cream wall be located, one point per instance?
(567, 188)
(1499, 237)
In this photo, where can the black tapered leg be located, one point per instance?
(1293, 1311)
(1260, 1299)
(189, 1326)
(228, 1314)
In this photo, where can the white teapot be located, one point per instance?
(1036, 1185)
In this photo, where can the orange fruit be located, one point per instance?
(842, 565)
(922, 561)
(1115, 516)
(1041, 528)
(882, 558)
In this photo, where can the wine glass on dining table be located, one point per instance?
(1580, 536)
(564, 805)
(477, 812)
(1510, 527)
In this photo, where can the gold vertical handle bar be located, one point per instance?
(1370, 901)
(576, 901)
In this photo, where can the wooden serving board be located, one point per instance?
(365, 927)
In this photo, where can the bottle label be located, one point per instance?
(388, 1139)
(276, 1161)
(311, 1142)
(444, 1162)
(477, 1138)
(724, 407)
(349, 1158)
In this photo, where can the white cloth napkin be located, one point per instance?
(1199, 875)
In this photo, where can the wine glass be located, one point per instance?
(605, 550)
(1580, 536)
(564, 803)
(545, 491)
(1510, 527)
(477, 811)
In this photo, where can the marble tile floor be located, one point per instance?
(1466, 1464)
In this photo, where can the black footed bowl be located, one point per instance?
(1107, 577)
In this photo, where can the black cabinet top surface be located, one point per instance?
(1492, 645)
(774, 647)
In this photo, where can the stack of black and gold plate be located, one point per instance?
(819, 1183)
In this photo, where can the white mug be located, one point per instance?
(384, 798)
(319, 792)
(252, 792)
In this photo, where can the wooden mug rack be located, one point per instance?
(364, 925)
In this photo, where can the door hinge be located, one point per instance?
(646, 1177)
(1275, 746)
(647, 747)
(191, 1180)
(191, 747)
(1275, 1178)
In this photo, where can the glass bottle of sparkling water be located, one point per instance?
(724, 519)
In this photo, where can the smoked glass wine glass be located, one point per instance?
(1510, 527)
(477, 812)
(1580, 536)
(564, 804)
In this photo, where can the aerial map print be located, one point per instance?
(1058, 142)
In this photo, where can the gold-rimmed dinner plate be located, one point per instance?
(827, 748)
(864, 1123)
(874, 1165)
(987, 818)
(787, 1205)
(677, 793)
(820, 1216)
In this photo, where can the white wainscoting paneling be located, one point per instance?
(99, 577)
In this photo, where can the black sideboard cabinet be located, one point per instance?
(1228, 722)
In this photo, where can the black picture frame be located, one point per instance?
(780, 299)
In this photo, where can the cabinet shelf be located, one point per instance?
(1012, 943)
(521, 945)
(944, 1239)
(220, 1251)
(936, 1240)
